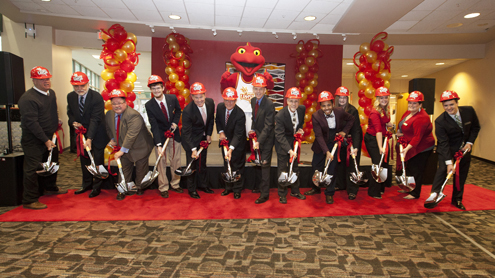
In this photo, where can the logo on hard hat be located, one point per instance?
(259, 80)
(324, 95)
(197, 87)
(153, 78)
(383, 90)
(414, 95)
(294, 92)
(229, 93)
(343, 90)
(77, 77)
(41, 71)
(446, 94)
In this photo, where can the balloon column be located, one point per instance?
(176, 52)
(307, 80)
(120, 58)
(373, 61)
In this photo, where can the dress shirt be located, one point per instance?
(44, 93)
(331, 120)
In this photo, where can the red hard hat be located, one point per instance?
(342, 91)
(117, 93)
(79, 78)
(40, 73)
(293, 93)
(197, 88)
(229, 94)
(416, 96)
(325, 96)
(259, 81)
(448, 95)
(382, 91)
(154, 79)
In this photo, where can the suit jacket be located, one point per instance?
(264, 122)
(235, 129)
(450, 136)
(159, 123)
(284, 130)
(133, 133)
(193, 126)
(343, 122)
(417, 132)
(92, 118)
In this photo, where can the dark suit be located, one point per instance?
(324, 141)
(133, 135)
(235, 131)
(195, 130)
(92, 120)
(264, 125)
(450, 138)
(284, 134)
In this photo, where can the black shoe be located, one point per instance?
(256, 190)
(298, 196)
(94, 193)
(312, 192)
(164, 194)
(120, 196)
(260, 200)
(283, 200)
(329, 200)
(226, 192)
(82, 190)
(459, 205)
(237, 195)
(352, 196)
(178, 190)
(140, 192)
(194, 195)
(55, 191)
(207, 190)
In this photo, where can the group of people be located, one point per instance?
(124, 129)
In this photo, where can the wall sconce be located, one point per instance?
(173, 30)
(294, 35)
(316, 35)
(214, 32)
(275, 34)
(240, 32)
(344, 37)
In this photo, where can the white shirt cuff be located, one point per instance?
(448, 162)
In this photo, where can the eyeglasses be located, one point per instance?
(117, 104)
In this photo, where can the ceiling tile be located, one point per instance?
(25, 6)
(115, 13)
(484, 5)
(53, 2)
(261, 3)
(402, 25)
(306, 25)
(425, 26)
(252, 23)
(284, 15)
(415, 15)
(277, 24)
(319, 6)
(324, 28)
(456, 5)
(209, 2)
(330, 19)
(200, 8)
(112, 4)
(147, 15)
(229, 10)
(227, 21)
(251, 12)
(490, 15)
(60, 9)
(90, 11)
(140, 4)
(439, 15)
(292, 5)
(201, 19)
(429, 5)
(85, 3)
(239, 3)
(175, 6)
(341, 8)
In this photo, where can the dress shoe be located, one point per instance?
(140, 192)
(57, 191)
(403, 191)
(329, 200)
(226, 192)
(459, 205)
(35, 205)
(207, 190)
(352, 196)
(94, 193)
(298, 196)
(120, 196)
(194, 195)
(260, 200)
(379, 198)
(164, 194)
(283, 200)
(256, 190)
(178, 190)
(312, 192)
(82, 190)
(237, 195)
(410, 197)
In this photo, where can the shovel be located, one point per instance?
(357, 177)
(322, 177)
(152, 175)
(257, 161)
(378, 173)
(285, 178)
(186, 171)
(122, 186)
(405, 182)
(49, 167)
(229, 176)
(97, 171)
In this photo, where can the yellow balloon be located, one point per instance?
(186, 64)
(385, 46)
(185, 92)
(127, 86)
(173, 77)
(128, 47)
(179, 54)
(363, 119)
(310, 60)
(132, 37)
(307, 118)
(299, 76)
(106, 74)
(369, 92)
(170, 39)
(360, 110)
(313, 83)
(108, 105)
(120, 55)
(111, 62)
(187, 71)
(131, 77)
(303, 68)
(313, 53)
(310, 110)
(360, 76)
(169, 70)
(386, 83)
(299, 47)
(363, 84)
(308, 90)
(106, 153)
(179, 85)
(378, 65)
(304, 96)
(314, 104)
(315, 76)
(385, 75)
(364, 48)
(371, 56)
(174, 47)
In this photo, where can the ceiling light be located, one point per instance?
(472, 15)
(240, 32)
(152, 28)
(46, 0)
(173, 30)
(174, 16)
(137, 82)
(454, 25)
(97, 57)
(214, 32)
(349, 64)
(439, 64)
(275, 34)
(344, 37)
(310, 18)
(294, 35)
(405, 75)
(316, 35)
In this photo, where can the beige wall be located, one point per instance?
(62, 57)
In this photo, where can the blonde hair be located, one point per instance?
(380, 109)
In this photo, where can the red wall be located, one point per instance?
(209, 57)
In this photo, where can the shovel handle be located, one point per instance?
(401, 152)
(54, 138)
(254, 141)
(164, 146)
(295, 150)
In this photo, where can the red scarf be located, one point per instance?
(60, 142)
(80, 131)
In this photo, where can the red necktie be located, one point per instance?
(164, 110)
(256, 109)
(118, 128)
(227, 119)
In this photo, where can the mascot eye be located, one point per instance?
(241, 50)
(257, 52)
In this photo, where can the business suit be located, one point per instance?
(159, 125)
(263, 125)
(134, 136)
(93, 120)
(284, 134)
(195, 130)
(324, 141)
(450, 139)
(235, 131)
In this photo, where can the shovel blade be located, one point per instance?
(316, 178)
(410, 183)
(226, 177)
(121, 187)
(283, 179)
(149, 179)
(292, 178)
(92, 170)
(327, 179)
(183, 173)
(379, 174)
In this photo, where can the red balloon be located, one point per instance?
(170, 55)
(187, 85)
(130, 103)
(184, 48)
(111, 84)
(309, 75)
(377, 46)
(303, 55)
(299, 62)
(127, 66)
(313, 96)
(307, 103)
(307, 130)
(120, 75)
(131, 96)
(362, 59)
(314, 68)
(173, 63)
(182, 100)
(308, 46)
(367, 110)
(309, 124)
(184, 78)
(361, 93)
(179, 70)
(383, 56)
(303, 83)
(364, 101)
(377, 83)
(369, 74)
(169, 85)
(105, 95)
(174, 91)
(120, 34)
(132, 57)
(363, 67)
(112, 44)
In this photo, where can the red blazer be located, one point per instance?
(377, 123)
(417, 133)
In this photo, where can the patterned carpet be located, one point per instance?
(455, 244)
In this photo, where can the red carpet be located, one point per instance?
(151, 206)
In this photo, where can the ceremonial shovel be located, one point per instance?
(49, 167)
(323, 177)
(405, 182)
(186, 171)
(285, 178)
(100, 171)
(378, 173)
(229, 176)
(122, 186)
(357, 177)
(257, 161)
(152, 175)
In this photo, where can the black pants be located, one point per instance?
(442, 174)
(87, 177)
(283, 165)
(35, 153)
(199, 178)
(263, 173)
(415, 167)
(344, 181)
(376, 188)
(237, 163)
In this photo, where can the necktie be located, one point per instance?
(256, 108)
(164, 110)
(203, 113)
(329, 116)
(458, 121)
(81, 105)
(117, 128)
(227, 118)
(294, 121)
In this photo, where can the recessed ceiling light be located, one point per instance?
(405, 75)
(310, 18)
(349, 64)
(439, 64)
(472, 15)
(174, 16)
(46, 0)
(97, 57)
(454, 25)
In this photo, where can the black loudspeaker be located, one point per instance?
(427, 87)
(12, 84)
(11, 188)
